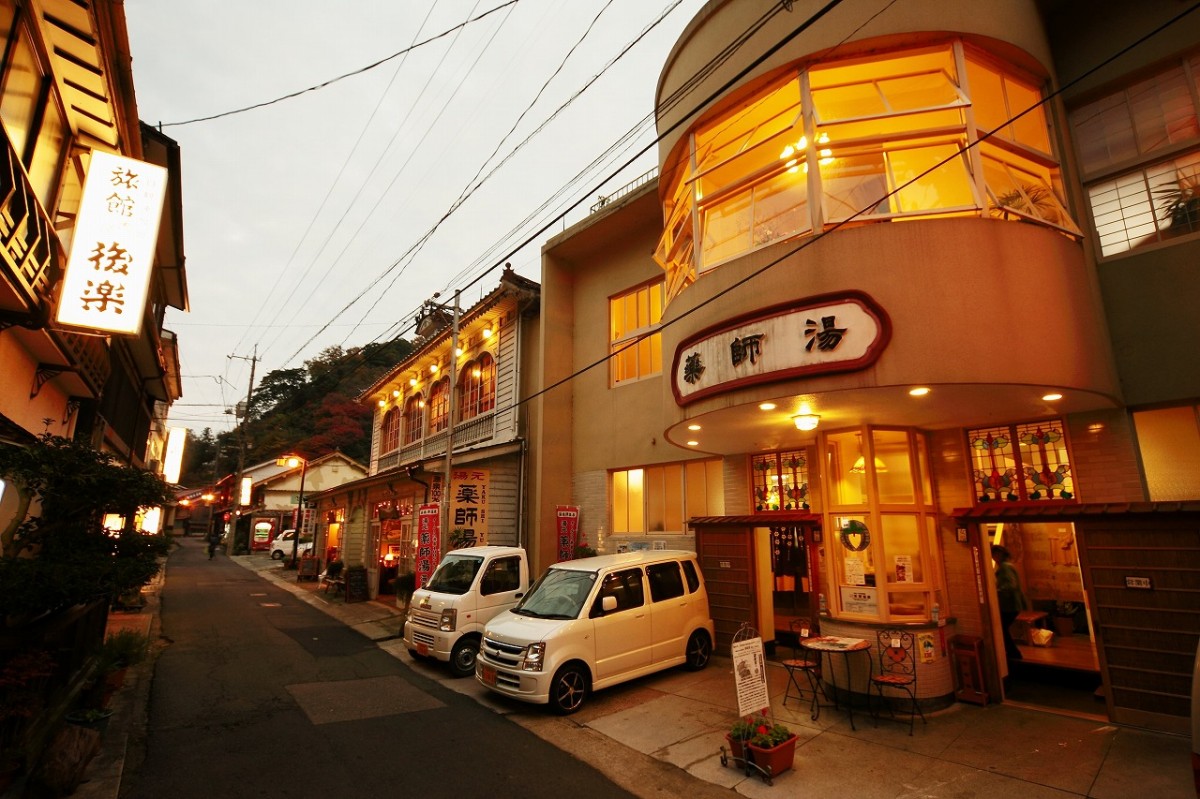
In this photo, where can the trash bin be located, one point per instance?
(967, 651)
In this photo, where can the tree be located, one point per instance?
(60, 554)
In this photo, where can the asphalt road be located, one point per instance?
(256, 694)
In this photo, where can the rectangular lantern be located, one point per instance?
(174, 460)
(107, 277)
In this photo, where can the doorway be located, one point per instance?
(790, 581)
(1058, 668)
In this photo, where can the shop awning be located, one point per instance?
(1068, 511)
(756, 520)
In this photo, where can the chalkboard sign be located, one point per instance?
(356, 584)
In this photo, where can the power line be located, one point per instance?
(331, 81)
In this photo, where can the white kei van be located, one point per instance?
(590, 623)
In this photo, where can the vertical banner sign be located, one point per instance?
(568, 531)
(429, 542)
(107, 277)
(469, 505)
(750, 677)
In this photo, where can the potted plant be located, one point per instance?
(772, 747)
(1180, 203)
(739, 734)
(1064, 617)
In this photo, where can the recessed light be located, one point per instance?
(693, 427)
(919, 391)
(1052, 396)
(693, 443)
(766, 406)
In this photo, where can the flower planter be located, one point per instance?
(776, 759)
(92, 719)
(736, 747)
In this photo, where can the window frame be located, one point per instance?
(389, 430)
(627, 344)
(414, 419)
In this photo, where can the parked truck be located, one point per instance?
(446, 616)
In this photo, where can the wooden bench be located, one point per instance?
(1025, 622)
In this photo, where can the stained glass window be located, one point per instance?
(1029, 461)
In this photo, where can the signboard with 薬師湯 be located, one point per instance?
(107, 277)
(469, 505)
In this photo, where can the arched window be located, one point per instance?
(477, 389)
(413, 413)
(439, 406)
(391, 430)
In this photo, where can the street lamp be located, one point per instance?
(292, 461)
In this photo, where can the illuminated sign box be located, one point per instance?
(112, 252)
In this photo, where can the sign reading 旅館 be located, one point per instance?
(107, 277)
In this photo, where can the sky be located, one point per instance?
(321, 220)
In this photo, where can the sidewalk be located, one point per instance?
(662, 735)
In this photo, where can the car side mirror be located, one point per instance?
(608, 604)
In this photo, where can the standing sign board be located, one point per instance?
(429, 542)
(750, 676)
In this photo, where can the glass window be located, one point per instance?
(439, 406)
(501, 575)
(660, 499)
(875, 124)
(692, 576)
(48, 155)
(22, 92)
(893, 470)
(477, 388)
(635, 345)
(1169, 443)
(665, 581)
(779, 481)
(846, 469)
(1021, 462)
(414, 410)
(1134, 204)
(626, 587)
(391, 430)
(902, 540)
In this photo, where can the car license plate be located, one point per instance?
(423, 649)
(488, 674)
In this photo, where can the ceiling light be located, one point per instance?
(395, 392)
(919, 391)
(693, 427)
(693, 443)
(860, 466)
(487, 332)
(1052, 396)
(433, 367)
(806, 421)
(766, 406)
(458, 352)
(383, 403)
(412, 381)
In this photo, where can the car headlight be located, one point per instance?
(448, 621)
(535, 656)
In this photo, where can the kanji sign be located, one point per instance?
(469, 504)
(429, 542)
(107, 277)
(567, 534)
(820, 335)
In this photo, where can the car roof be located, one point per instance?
(639, 558)
(485, 551)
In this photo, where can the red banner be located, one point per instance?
(429, 542)
(568, 531)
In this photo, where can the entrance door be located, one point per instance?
(1058, 666)
(792, 589)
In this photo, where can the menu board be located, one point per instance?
(356, 584)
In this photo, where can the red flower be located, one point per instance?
(763, 729)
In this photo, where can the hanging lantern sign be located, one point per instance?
(107, 277)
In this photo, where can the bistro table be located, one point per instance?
(829, 645)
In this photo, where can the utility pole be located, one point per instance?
(450, 411)
(236, 489)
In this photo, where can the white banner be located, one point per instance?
(750, 676)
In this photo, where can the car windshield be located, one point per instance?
(558, 594)
(455, 574)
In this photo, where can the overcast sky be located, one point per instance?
(295, 209)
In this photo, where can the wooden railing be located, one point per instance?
(472, 431)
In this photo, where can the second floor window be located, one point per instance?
(634, 342)
(391, 430)
(439, 406)
(414, 411)
(477, 389)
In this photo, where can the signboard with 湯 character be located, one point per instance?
(429, 542)
(567, 535)
(469, 505)
(107, 276)
(831, 333)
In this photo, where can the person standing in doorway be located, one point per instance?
(1010, 596)
(214, 541)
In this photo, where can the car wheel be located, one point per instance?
(277, 554)
(699, 650)
(569, 689)
(462, 656)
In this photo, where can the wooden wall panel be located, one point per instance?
(727, 560)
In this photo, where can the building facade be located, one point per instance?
(67, 93)
(462, 390)
(915, 280)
